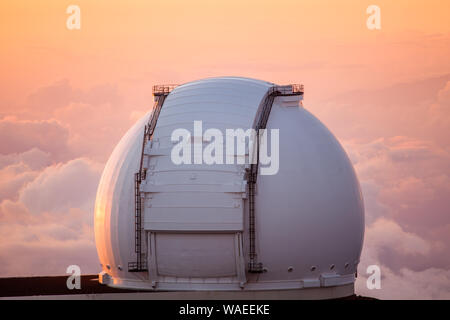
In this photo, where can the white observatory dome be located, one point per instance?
(164, 226)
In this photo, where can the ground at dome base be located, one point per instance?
(54, 287)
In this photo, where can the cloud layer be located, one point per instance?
(50, 225)
(52, 152)
(406, 186)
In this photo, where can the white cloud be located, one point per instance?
(50, 226)
(431, 283)
(405, 189)
(61, 187)
(385, 233)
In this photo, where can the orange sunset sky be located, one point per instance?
(67, 97)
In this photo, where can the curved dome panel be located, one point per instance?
(114, 206)
(310, 215)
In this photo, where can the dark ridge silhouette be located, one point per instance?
(56, 285)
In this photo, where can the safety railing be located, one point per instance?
(287, 90)
(163, 89)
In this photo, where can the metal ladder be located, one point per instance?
(260, 123)
(160, 93)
